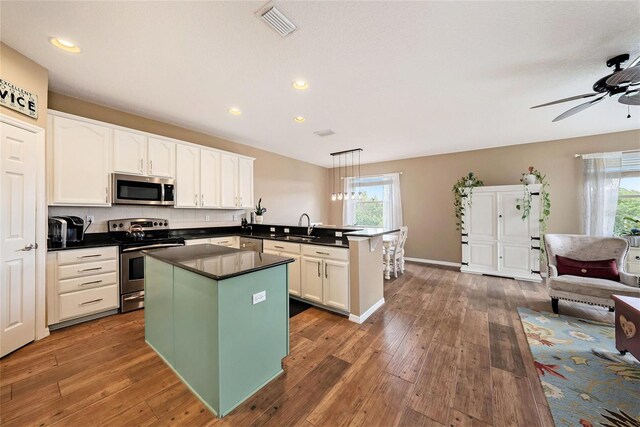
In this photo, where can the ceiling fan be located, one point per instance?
(622, 81)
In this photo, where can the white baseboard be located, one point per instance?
(433, 261)
(366, 314)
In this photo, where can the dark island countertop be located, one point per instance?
(216, 262)
(372, 232)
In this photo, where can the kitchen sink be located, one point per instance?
(296, 238)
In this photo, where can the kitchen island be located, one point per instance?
(219, 318)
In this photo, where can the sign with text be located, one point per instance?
(11, 96)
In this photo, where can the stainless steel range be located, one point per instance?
(135, 235)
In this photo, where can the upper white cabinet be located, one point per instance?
(236, 181)
(161, 155)
(137, 154)
(79, 162)
(84, 153)
(496, 240)
(197, 177)
(129, 152)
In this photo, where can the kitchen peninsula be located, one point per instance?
(219, 318)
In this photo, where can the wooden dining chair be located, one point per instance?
(396, 252)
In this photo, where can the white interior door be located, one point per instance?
(18, 167)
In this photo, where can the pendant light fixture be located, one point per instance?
(342, 193)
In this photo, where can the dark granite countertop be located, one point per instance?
(323, 240)
(216, 262)
(372, 232)
(93, 240)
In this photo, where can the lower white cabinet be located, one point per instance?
(325, 276)
(81, 282)
(289, 250)
(633, 260)
(230, 241)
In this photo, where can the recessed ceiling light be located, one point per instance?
(235, 111)
(300, 85)
(299, 119)
(64, 45)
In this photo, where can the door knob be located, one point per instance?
(28, 247)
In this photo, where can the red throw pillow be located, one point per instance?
(602, 269)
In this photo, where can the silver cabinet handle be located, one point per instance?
(90, 269)
(278, 247)
(92, 301)
(195, 199)
(240, 201)
(318, 269)
(150, 167)
(141, 164)
(28, 247)
(90, 283)
(106, 194)
(326, 272)
(134, 298)
(202, 200)
(323, 253)
(89, 256)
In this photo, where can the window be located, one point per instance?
(379, 203)
(628, 204)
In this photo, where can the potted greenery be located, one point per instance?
(535, 176)
(462, 189)
(259, 212)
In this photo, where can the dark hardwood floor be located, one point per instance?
(446, 349)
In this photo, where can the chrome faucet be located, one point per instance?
(309, 226)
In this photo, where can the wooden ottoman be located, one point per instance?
(627, 325)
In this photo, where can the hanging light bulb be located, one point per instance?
(346, 195)
(333, 197)
(353, 195)
(339, 196)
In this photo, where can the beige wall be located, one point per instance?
(427, 201)
(287, 186)
(26, 74)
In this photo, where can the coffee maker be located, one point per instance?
(65, 230)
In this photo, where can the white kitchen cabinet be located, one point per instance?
(245, 182)
(81, 282)
(209, 178)
(633, 260)
(161, 155)
(311, 287)
(325, 276)
(197, 177)
(79, 163)
(129, 152)
(187, 176)
(236, 181)
(191, 242)
(135, 153)
(495, 238)
(229, 241)
(288, 250)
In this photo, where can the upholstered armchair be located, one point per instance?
(588, 290)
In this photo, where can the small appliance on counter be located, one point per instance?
(65, 230)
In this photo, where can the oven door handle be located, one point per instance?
(159, 245)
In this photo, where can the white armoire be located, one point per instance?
(495, 239)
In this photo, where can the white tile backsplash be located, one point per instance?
(178, 218)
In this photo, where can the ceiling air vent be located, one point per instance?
(326, 132)
(278, 21)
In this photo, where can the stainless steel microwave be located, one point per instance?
(142, 190)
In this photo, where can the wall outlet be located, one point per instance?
(91, 219)
(272, 229)
(286, 230)
(338, 233)
(259, 297)
(207, 217)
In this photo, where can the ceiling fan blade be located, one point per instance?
(578, 108)
(635, 62)
(625, 77)
(572, 98)
(630, 98)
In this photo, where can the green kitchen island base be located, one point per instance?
(222, 344)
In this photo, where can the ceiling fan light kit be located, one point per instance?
(623, 82)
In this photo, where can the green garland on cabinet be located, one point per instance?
(459, 193)
(524, 204)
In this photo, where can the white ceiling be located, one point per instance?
(398, 79)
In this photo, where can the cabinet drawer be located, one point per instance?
(325, 252)
(276, 245)
(82, 303)
(86, 269)
(76, 256)
(231, 241)
(87, 282)
(196, 241)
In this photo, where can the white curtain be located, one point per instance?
(391, 200)
(601, 181)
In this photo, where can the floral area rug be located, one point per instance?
(585, 379)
